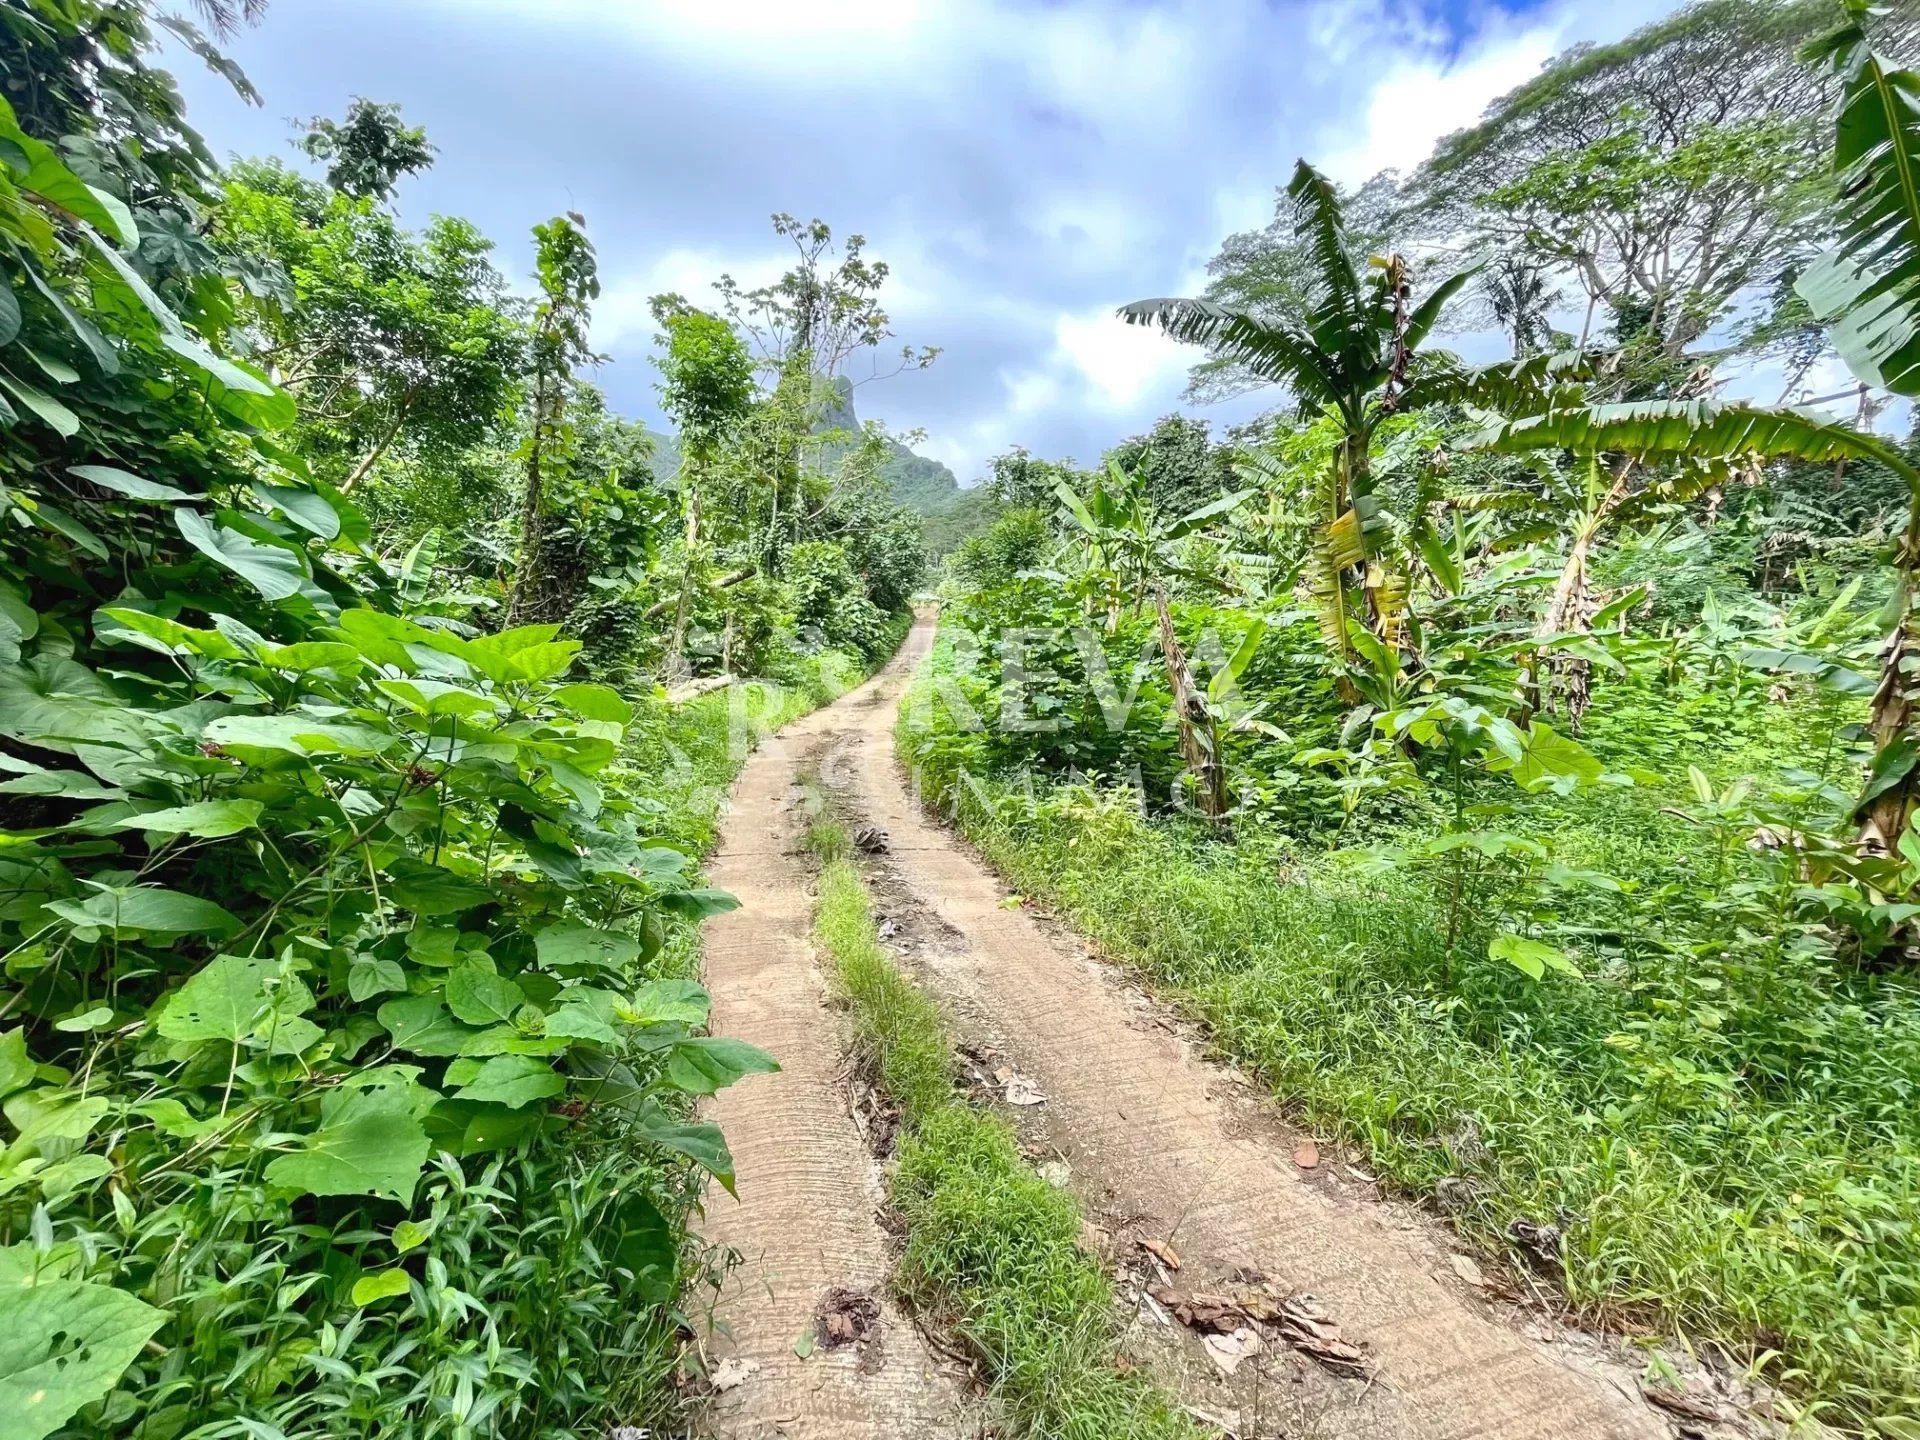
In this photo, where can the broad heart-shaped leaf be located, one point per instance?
(704, 1064)
(296, 735)
(542, 662)
(370, 1142)
(480, 997)
(64, 1344)
(420, 1025)
(380, 1285)
(698, 904)
(670, 1002)
(571, 945)
(702, 1144)
(111, 477)
(306, 508)
(369, 977)
(593, 702)
(58, 418)
(1531, 958)
(1547, 755)
(207, 819)
(222, 1001)
(513, 1081)
(54, 702)
(146, 907)
(61, 785)
(274, 572)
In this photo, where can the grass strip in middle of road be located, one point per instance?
(991, 1251)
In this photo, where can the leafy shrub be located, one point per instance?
(321, 924)
(1016, 541)
(829, 600)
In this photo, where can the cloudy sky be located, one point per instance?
(1023, 165)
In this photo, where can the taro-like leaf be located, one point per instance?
(146, 907)
(134, 487)
(275, 572)
(204, 819)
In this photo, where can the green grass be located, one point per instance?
(991, 1250)
(1734, 1142)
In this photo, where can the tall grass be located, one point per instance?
(1731, 1150)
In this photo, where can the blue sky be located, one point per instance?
(1023, 165)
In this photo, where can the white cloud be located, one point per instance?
(1419, 102)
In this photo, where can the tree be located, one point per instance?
(707, 389)
(1353, 350)
(1133, 550)
(1020, 481)
(1668, 176)
(823, 311)
(1867, 287)
(1178, 463)
(390, 340)
(569, 281)
(1273, 274)
(369, 152)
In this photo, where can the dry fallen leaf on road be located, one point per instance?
(1219, 1313)
(1227, 1351)
(1467, 1270)
(846, 1317)
(1022, 1091)
(731, 1373)
(1680, 1402)
(1313, 1334)
(1168, 1256)
(1307, 1155)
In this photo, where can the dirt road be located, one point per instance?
(1159, 1142)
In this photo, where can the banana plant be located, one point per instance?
(1129, 546)
(1356, 354)
(1867, 289)
(1131, 551)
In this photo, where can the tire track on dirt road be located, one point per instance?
(1155, 1133)
(805, 1225)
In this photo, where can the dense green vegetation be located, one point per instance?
(347, 1029)
(991, 1250)
(1515, 765)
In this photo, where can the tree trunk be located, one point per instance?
(1199, 737)
(1884, 819)
(373, 455)
(530, 506)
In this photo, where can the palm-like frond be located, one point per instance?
(1868, 286)
(1318, 220)
(1552, 381)
(1421, 322)
(1275, 352)
(1714, 435)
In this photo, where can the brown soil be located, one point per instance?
(792, 1355)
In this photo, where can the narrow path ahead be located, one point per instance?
(805, 1225)
(1160, 1142)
